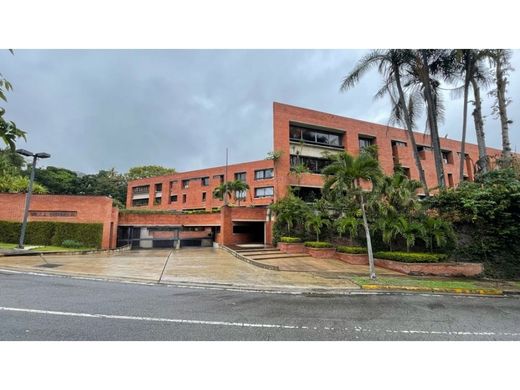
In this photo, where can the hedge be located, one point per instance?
(411, 257)
(352, 249)
(53, 233)
(318, 244)
(290, 240)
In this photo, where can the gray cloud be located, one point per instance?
(97, 109)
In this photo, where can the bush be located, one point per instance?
(412, 257)
(72, 244)
(352, 249)
(318, 244)
(53, 233)
(290, 240)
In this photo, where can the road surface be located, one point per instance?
(60, 308)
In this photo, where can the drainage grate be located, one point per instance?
(49, 265)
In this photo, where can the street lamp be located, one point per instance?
(35, 157)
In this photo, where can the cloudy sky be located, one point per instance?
(98, 109)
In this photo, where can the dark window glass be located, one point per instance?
(185, 183)
(322, 138)
(203, 196)
(205, 181)
(139, 202)
(309, 135)
(263, 174)
(240, 176)
(173, 198)
(334, 140)
(365, 142)
(295, 132)
(183, 198)
(158, 187)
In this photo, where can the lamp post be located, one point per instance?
(35, 157)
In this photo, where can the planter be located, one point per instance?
(292, 247)
(321, 253)
(437, 269)
(352, 258)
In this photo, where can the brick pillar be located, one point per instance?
(226, 226)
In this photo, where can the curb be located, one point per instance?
(477, 291)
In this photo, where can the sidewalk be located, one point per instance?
(210, 266)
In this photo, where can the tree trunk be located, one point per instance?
(432, 119)
(402, 102)
(317, 237)
(372, 269)
(479, 127)
(468, 71)
(502, 109)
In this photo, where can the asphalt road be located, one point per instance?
(56, 308)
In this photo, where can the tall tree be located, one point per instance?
(9, 133)
(390, 64)
(344, 176)
(500, 58)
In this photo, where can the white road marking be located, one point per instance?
(249, 325)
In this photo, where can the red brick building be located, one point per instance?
(181, 208)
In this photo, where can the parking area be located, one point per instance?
(189, 265)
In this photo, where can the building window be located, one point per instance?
(240, 195)
(365, 142)
(450, 180)
(141, 190)
(203, 196)
(158, 187)
(173, 198)
(220, 178)
(398, 143)
(139, 202)
(157, 201)
(406, 172)
(240, 176)
(185, 183)
(264, 192)
(313, 164)
(421, 149)
(308, 135)
(264, 174)
(205, 181)
(183, 198)
(447, 157)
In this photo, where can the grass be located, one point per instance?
(428, 283)
(47, 248)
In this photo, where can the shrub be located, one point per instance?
(53, 233)
(352, 249)
(72, 244)
(290, 240)
(412, 257)
(318, 244)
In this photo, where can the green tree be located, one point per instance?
(146, 171)
(315, 222)
(9, 133)
(290, 211)
(105, 182)
(437, 232)
(344, 176)
(348, 224)
(17, 184)
(239, 188)
(57, 180)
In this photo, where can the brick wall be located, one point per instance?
(88, 209)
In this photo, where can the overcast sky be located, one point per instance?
(98, 109)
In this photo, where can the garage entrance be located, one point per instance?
(249, 232)
(150, 237)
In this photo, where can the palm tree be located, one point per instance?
(315, 222)
(389, 63)
(344, 175)
(437, 231)
(223, 191)
(347, 223)
(238, 187)
(8, 130)
(501, 58)
(290, 211)
(410, 230)
(397, 194)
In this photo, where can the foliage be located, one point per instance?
(290, 212)
(16, 184)
(9, 132)
(426, 283)
(290, 240)
(412, 257)
(486, 214)
(146, 171)
(318, 244)
(352, 249)
(274, 155)
(315, 222)
(57, 180)
(105, 182)
(72, 244)
(53, 233)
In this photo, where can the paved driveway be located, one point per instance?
(197, 265)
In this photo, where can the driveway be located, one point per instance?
(189, 265)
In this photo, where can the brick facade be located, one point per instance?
(77, 209)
